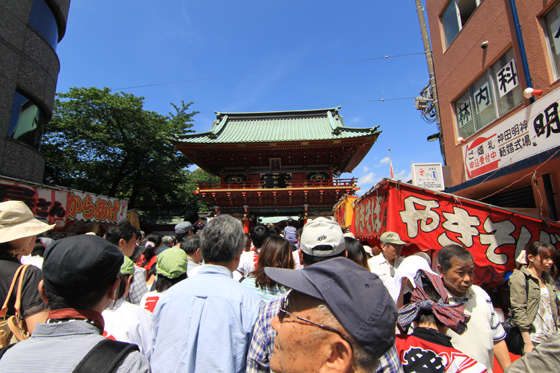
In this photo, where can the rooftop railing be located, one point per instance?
(283, 184)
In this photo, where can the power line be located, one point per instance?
(323, 104)
(271, 71)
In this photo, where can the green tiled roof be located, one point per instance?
(279, 126)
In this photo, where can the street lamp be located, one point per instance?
(434, 137)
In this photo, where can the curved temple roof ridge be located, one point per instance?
(279, 126)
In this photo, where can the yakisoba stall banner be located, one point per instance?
(58, 206)
(431, 220)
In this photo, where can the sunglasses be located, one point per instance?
(284, 313)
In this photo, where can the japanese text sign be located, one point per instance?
(428, 175)
(56, 206)
(430, 221)
(507, 78)
(527, 133)
(482, 98)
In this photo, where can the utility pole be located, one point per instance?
(432, 84)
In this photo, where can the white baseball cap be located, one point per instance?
(319, 232)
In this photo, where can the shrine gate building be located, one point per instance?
(277, 163)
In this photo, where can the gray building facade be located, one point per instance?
(29, 33)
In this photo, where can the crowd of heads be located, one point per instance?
(331, 298)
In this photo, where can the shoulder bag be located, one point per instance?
(514, 339)
(13, 329)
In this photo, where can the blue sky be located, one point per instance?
(125, 43)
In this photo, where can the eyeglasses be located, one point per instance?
(283, 313)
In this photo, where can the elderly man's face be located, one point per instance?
(459, 278)
(391, 251)
(299, 346)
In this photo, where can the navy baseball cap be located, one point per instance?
(356, 297)
(80, 264)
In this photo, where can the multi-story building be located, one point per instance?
(29, 33)
(502, 148)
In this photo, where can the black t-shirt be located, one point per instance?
(31, 302)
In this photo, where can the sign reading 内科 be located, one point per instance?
(527, 133)
(428, 175)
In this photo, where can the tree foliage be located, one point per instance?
(106, 143)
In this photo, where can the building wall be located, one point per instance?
(464, 61)
(30, 66)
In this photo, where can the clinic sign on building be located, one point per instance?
(531, 131)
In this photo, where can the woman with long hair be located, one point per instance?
(275, 252)
(147, 260)
(533, 295)
(356, 252)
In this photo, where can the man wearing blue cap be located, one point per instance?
(79, 282)
(329, 322)
(321, 240)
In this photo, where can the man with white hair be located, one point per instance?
(205, 322)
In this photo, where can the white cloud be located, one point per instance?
(356, 120)
(366, 169)
(382, 162)
(403, 175)
(368, 179)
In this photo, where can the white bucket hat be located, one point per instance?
(17, 221)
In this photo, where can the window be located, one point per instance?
(495, 93)
(43, 21)
(455, 16)
(552, 24)
(25, 121)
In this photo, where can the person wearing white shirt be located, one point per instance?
(124, 321)
(485, 336)
(248, 261)
(385, 264)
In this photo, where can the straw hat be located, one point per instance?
(17, 221)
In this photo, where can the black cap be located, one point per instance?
(357, 298)
(80, 264)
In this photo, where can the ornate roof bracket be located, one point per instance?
(335, 127)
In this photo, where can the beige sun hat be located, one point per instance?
(17, 221)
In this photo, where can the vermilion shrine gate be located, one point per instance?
(277, 163)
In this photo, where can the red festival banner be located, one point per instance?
(430, 220)
(60, 206)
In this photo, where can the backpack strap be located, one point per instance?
(5, 349)
(105, 357)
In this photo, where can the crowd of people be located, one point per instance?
(298, 300)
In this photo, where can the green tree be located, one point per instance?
(106, 143)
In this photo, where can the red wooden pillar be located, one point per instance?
(305, 211)
(246, 219)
